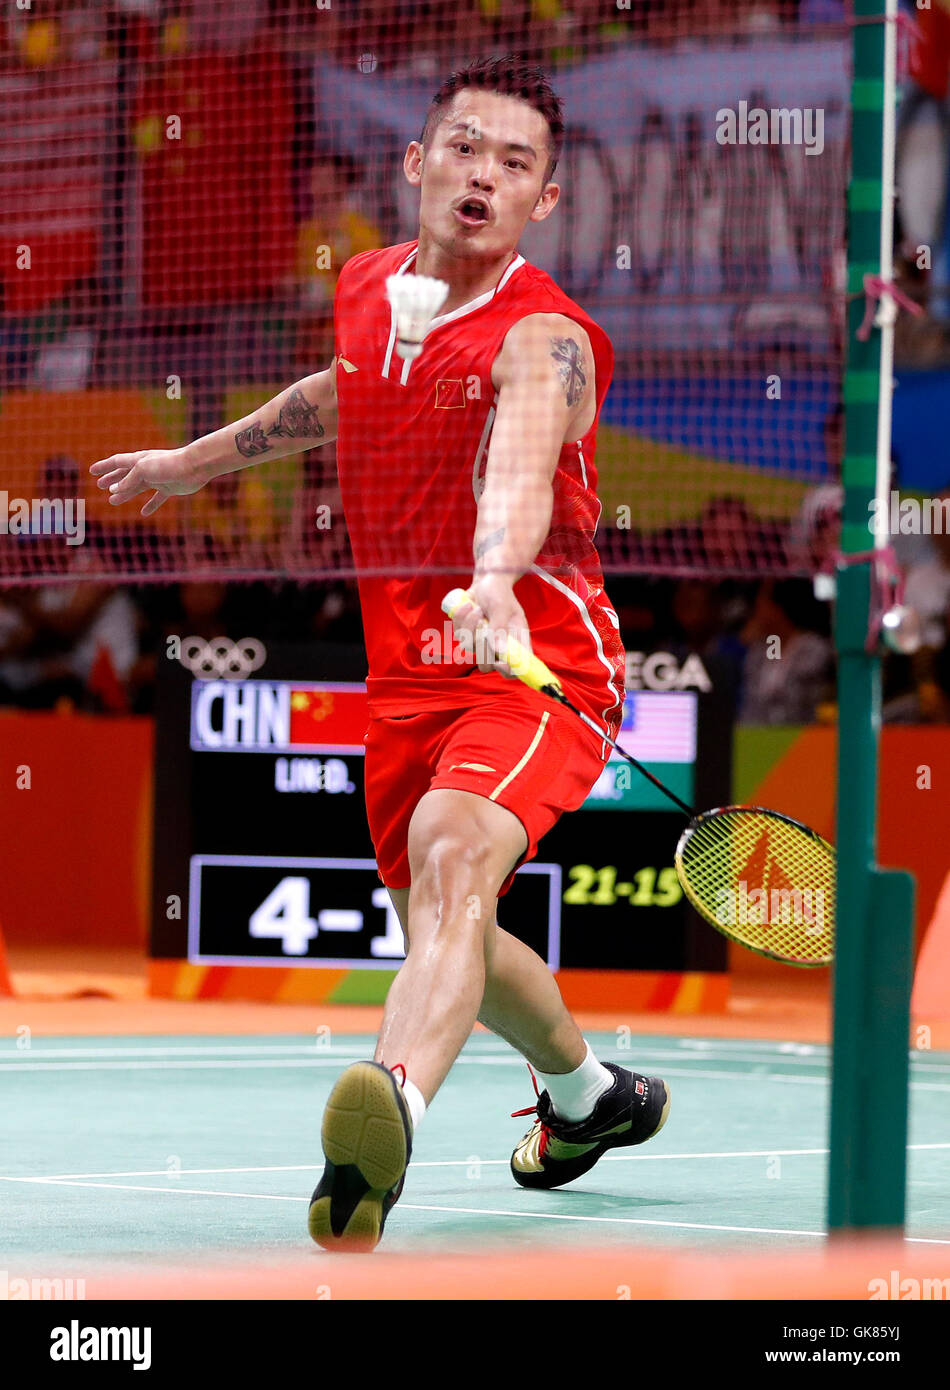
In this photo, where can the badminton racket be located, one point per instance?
(758, 876)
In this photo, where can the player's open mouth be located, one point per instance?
(472, 213)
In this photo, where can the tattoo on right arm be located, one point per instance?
(251, 442)
(490, 542)
(570, 366)
(297, 419)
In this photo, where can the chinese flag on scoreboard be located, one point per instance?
(321, 717)
(217, 209)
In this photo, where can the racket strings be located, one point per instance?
(764, 880)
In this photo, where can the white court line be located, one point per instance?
(643, 1221)
(795, 1055)
(625, 1057)
(430, 1163)
(38, 1054)
(488, 1211)
(481, 1053)
(613, 1220)
(461, 1211)
(39, 1057)
(285, 1049)
(331, 1060)
(474, 1046)
(191, 1191)
(212, 1064)
(762, 1074)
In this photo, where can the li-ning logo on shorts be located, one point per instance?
(220, 657)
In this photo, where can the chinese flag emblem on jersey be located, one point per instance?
(449, 395)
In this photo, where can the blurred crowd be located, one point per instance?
(96, 647)
(398, 35)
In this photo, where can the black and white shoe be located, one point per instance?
(557, 1151)
(367, 1143)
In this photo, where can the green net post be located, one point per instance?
(867, 1169)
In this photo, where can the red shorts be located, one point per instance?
(529, 755)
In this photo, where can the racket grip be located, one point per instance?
(524, 664)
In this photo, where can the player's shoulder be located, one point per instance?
(531, 339)
(542, 296)
(537, 326)
(381, 260)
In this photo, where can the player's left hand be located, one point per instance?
(499, 614)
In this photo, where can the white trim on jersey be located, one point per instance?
(392, 330)
(600, 505)
(464, 309)
(482, 445)
(389, 349)
(473, 303)
(458, 313)
(585, 616)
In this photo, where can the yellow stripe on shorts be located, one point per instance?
(515, 770)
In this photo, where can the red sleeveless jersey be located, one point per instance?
(412, 447)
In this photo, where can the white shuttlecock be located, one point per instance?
(416, 300)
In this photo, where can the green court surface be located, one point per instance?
(124, 1150)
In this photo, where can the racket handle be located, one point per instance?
(524, 664)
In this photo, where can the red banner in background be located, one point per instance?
(54, 124)
(930, 56)
(214, 137)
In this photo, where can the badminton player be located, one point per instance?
(470, 466)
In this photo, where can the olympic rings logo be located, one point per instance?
(221, 658)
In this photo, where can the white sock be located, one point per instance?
(575, 1093)
(415, 1101)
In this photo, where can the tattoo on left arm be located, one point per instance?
(297, 419)
(570, 365)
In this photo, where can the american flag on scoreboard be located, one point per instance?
(659, 726)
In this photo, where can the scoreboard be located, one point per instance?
(261, 834)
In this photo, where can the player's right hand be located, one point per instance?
(170, 472)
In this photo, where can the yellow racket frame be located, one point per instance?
(762, 879)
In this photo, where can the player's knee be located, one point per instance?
(450, 863)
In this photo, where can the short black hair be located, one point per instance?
(509, 76)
